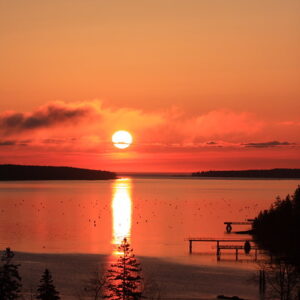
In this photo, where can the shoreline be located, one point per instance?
(175, 280)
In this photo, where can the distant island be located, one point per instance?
(21, 172)
(272, 173)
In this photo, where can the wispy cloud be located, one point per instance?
(13, 143)
(88, 126)
(268, 144)
(7, 143)
(79, 134)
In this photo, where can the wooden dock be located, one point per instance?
(229, 224)
(236, 248)
(220, 246)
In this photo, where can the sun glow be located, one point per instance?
(122, 139)
(121, 209)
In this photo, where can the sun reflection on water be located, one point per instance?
(121, 210)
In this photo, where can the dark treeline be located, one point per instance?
(11, 281)
(19, 172)
(121, 281)
(278, 228)
(272, 173)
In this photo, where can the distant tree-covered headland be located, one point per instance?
(272, 173)
(20, 172)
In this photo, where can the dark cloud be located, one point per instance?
(13, 143)
(7, 143)
(268, 144)
(59, 141)
(211, 143)
(50, 115)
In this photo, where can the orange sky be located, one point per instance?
(207, 84)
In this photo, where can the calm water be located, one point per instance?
(156, 214)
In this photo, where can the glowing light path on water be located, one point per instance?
(121, 210)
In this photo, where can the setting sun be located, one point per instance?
(122, 139)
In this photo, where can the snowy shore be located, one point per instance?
(72, 272)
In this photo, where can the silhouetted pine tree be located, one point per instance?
(124, 281)
(278, 229)
(10, 280)
(46, 290)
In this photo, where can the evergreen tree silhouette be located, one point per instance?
(46, 290)
(124, 281)
(278, 228)
(10, 280)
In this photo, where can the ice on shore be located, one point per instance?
(71, 273)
